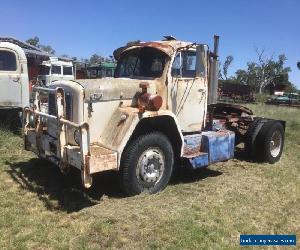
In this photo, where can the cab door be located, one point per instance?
(187, 93)
(10, 79)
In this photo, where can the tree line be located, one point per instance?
(265, 71)
(94, 59)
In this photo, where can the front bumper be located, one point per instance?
(88, 158)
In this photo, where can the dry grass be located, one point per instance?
(208, 208)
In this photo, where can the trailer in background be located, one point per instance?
(235, 92)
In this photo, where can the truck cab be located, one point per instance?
(14, 83)
(159, 109)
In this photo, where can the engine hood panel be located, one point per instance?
(105, 89)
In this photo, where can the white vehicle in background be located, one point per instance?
(55, 69)
(14, 79)
(19, 70)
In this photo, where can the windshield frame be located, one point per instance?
(137, 52)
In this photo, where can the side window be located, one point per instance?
(184, 64)
(93, 73)
(8, 61)
(56, 70)
(176, 66)
(189, 64)
(67, 71)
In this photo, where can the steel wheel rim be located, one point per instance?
(275, 143)
(150, 166)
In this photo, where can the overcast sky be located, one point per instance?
(81, 28)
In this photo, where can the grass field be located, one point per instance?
(208, 208)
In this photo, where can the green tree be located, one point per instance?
(33, 41)
(292, 88)
(264, 72)
(65, 55)
(134, 42)
(47, 48)
(95, 58)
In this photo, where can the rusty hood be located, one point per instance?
(109, 88)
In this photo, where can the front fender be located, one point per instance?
(127, 123)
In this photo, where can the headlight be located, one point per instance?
(77, 136)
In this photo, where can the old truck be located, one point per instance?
(159, 109)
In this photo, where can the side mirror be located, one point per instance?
(201, 61)
(298, 65)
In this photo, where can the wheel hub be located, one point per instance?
(150, 166)
(275, 143)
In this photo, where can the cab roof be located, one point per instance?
(167, 46)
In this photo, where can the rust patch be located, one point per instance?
(161, 46)
(228, 110)
(191, 152)
(164, 46)
(150, 102)
(102, 159)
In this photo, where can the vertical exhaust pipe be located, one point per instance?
(214, 73)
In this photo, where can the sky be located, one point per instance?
(82, 28)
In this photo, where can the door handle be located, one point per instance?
(16, 79)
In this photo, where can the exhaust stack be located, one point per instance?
(214, 73)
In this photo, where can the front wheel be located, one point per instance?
(146, 164)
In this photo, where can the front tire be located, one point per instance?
(146, 164)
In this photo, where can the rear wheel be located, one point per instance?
(147, 164)
(268, 144)
(270, 141)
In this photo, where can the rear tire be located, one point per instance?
(269, 142)
(146, 164)
(265, 140)
(252, 132)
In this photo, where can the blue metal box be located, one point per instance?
(218, 144)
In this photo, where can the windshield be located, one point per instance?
(145, 62)
(44, 70)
